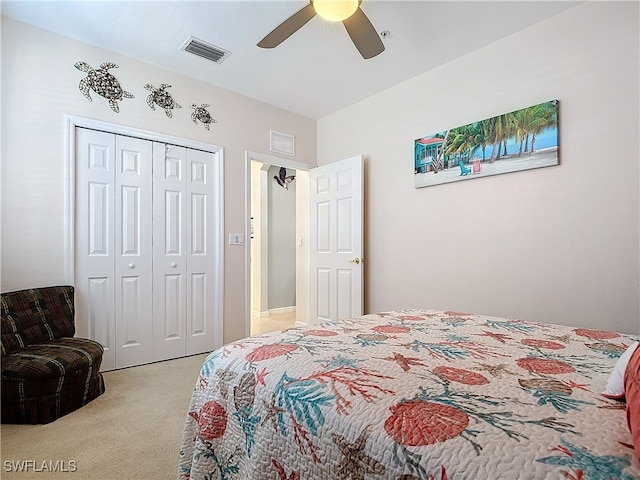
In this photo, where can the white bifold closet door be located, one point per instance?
(182, 256)
(143, 256)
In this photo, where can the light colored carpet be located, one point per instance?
(132, 431)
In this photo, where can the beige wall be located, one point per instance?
(559, 244)
(40, 87)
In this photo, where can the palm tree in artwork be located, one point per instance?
(485, 134)
(524, 124)
(509, 130)
(502, 130)
(546, 116)
(529, 122)
(463, 140)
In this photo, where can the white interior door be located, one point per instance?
(133, 255)
(169, 256)
(184, 253)
(113, 245)
(201, 255)
(336, 240)
(94, 241)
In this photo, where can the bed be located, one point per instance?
(412, 394)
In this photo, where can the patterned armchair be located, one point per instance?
(46, 371)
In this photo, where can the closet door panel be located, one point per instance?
(95, 300)
(94, 240)
(200, 260)
(173, 310)
(198, 303)
(131, 331)
(169, 258)
(133, 259)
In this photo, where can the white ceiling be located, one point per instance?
(317, 71)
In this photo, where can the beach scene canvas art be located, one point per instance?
(520, 140)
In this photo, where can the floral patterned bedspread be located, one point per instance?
(412, 394)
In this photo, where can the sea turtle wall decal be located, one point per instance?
(159, 96)
(103, 83)
(201, 113)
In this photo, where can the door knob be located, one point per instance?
(355, 260)
(174, 264)
(132, 265)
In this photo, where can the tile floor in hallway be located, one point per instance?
(274, 321)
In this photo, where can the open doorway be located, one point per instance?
(277, 251)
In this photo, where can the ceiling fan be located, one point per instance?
(359, 28)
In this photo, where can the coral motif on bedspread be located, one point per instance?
(412, 394)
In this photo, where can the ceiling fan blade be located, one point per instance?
(287, 28)
(363, 34)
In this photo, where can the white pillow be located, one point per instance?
(615, 383)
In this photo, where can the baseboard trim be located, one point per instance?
(274, 311)
(282, 310)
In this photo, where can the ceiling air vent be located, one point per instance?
(205, 50)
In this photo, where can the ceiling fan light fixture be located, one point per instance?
(335, 10)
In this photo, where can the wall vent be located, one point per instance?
(205, 50)
(282, 143)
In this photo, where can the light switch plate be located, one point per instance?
(236, 239)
